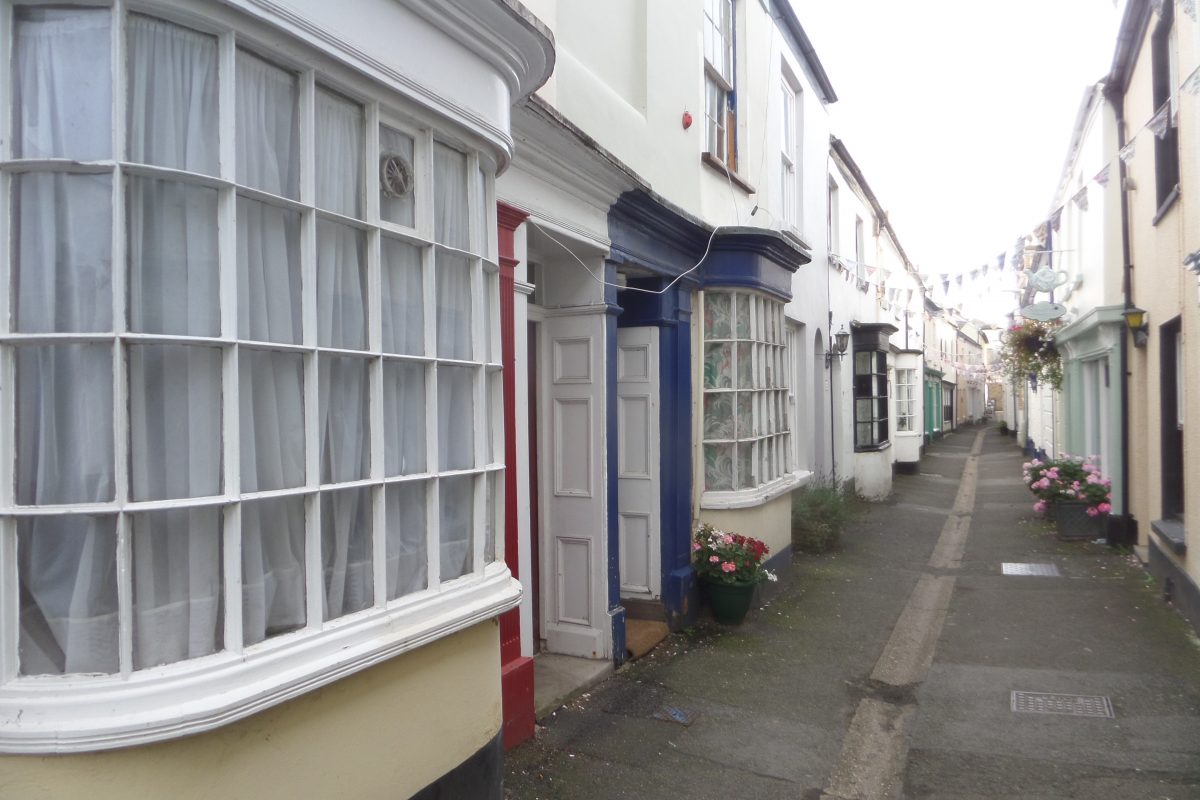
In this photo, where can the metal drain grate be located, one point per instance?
(1042, 570)
(1076, 705)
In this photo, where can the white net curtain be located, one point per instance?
(63, 280)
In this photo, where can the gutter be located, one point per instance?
(787, 15)
(1115, 95)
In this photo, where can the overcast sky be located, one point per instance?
(960, 113)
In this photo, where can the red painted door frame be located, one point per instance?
(516, 671)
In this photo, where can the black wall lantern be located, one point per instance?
(1139, 326)
(841, 340)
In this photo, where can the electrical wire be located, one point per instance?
(602, 282)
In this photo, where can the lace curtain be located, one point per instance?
(63, 283)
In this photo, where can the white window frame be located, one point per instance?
(75, 713)
(833, 218)
(766, 383)
(719, 82)
(789, 159)
(860, 246)
(906, 386)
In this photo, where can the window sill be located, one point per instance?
(874, 448)
(70, 715)
(749, 498)
(715, 163)
(1172, 534)
(1167, 203)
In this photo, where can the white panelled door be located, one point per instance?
(575, 617)
(637, 461)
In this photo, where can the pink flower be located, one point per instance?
(713, 559)
(728, 539)
(1040, 506)
(695, 546)
(728, 566)
(1092, 512)
(1104, 508)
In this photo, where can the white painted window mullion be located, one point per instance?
(10, 603)
(230, 354)
(314, 591)
(120, 373)
(479, 346)
(125, 592)
(433, 549)
(375, 345)
(423, 186)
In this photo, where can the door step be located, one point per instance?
(642, 636)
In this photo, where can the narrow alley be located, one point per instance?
(912, 663)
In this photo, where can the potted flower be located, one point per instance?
(1029, 352)
(1072, 491)
(729, 566)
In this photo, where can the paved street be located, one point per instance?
(888, 669)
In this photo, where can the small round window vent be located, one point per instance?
(395, 176)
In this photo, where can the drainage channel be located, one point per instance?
(871, 765)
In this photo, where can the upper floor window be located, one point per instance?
(251, 361)
(833, 219)
(860, 267)
(720, 137)
(789, 156)
(747, 427)
(1165, 77)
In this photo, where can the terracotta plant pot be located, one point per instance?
(729, 602)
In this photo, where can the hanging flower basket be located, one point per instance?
(1029, 351)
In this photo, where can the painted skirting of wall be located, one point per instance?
(1183, 591)
(389, 731)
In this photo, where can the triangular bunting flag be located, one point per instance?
(1192, 84)
(1081, 198)
(946, 286)
(1127, 151)
(1056, 219)
(1161, 120)
(974, 274)
(1102, 176)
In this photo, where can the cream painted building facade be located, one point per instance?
(1157, 54)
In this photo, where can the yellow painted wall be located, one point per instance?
(386, 732)
(771, 522)
(1164, 288)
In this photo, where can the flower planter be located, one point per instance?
(729, 602)
(1072, 523)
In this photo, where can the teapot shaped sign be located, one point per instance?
(1046, 280)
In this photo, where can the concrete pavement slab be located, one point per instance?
(781, 701)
